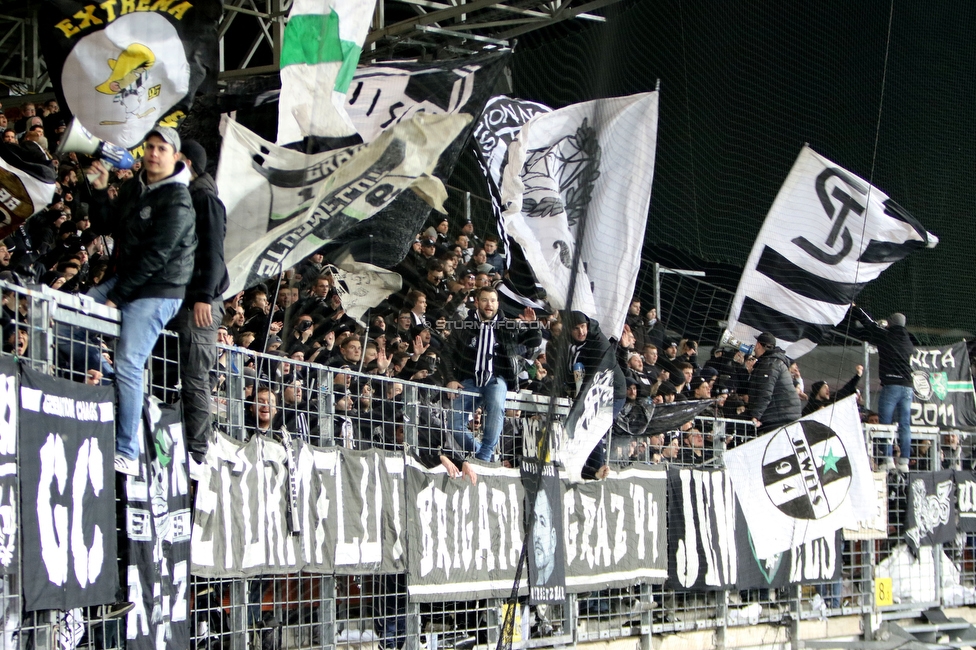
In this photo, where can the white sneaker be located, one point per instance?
(903, 465)
(126, 466)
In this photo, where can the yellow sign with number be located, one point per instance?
(882, 592)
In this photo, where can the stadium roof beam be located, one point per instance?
(400, 29)
(449, 26)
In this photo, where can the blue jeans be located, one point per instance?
(142, 321)
(895, 403)
(492, 403)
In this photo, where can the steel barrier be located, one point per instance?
(67, 336)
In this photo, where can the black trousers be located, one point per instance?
(198, 356)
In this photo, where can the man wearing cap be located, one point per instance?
(773, 401)
(895, 348)
(203, 308)
(152, 222)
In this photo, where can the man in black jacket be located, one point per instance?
(587, 353)
(773, 401)
(895, 349)
(485, 346)
(152, 223)
(203, 308)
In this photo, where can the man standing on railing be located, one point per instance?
(895, 348)
(773, 401)
(152, 223)
(203, 308)
(485, 346)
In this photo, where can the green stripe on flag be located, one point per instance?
(960, 386)
(314, 39)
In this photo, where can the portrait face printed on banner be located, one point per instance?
(544, 539)
(121, 80)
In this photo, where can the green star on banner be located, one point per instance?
(830, 461)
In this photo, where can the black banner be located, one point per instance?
(701, 530)
(370, 518)
(157, 521)
(711, 547)
(547, 561)
(931, 516)
(9, 497)
(966, 500)
(67, 451)
(121, 68)
(943, 387)
(616, 530)
(335, 513)
(818, 560)
(465, 539)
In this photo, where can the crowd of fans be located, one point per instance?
(415, 335)
(431, 333)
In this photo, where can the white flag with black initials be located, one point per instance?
(827, 234)
(805, 480)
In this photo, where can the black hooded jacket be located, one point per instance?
(155, 239)
(210, 279)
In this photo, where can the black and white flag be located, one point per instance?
(67, 478)
(465, 539)
(9, 497)
(805, 480)
(616, 530)
(26, 187)
(282, 205)
(499, 125)
(931, 516)
(122, 67)
(388, 93)
(942, 380)
(827, 235)
(579, 178)
(157, 521)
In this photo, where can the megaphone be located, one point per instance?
(78, 139)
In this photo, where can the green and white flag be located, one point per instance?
(322, 43)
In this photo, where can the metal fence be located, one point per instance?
(67, 336)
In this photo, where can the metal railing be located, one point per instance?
(68, 335)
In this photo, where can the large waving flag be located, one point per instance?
(346, 186)
(26, 188)
(805, 480)
(322, 43)
(827, 234)
(592, 164)
(123, 67)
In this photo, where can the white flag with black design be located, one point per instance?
(805, 480)
(827, 234)
(499, 124)
(580, 177)
(26, 188)
(288, 212)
